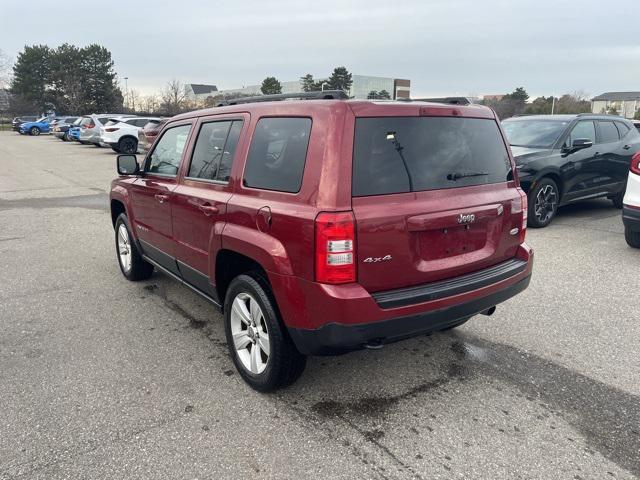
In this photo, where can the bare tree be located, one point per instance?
(150, 104)
(174, 97)
(5, 70)
(134, 98)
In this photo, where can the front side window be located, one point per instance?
(166, 156)
(583, 130)
(608, 132)
(404, 154)
(277, 154)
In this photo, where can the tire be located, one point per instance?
(618, 199)
(128, 145)
(632, 238)
(282, 364)
(136, 268)
(65, 137)
(34, 131)
(97, 145)
(543, 203)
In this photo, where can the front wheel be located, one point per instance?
(259, 345)
(632, 238)
(35, 131)
(132, 265)
(543, 203)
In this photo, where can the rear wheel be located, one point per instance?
(543, 203)
(65, 137)
(132, 265)
(97, 145)
(35, 131)
(128, 145)
(632, 238)
(259, 345)
(618, 198)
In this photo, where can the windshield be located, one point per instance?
(534, 133)
(43, 119)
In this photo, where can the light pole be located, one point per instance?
(126, 91)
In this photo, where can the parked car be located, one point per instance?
(148, 133)
(73, 134)
(631, 207)
(563, 159)
(323, 226)
(61, 127)
(636, 123)
(91, 127)
(121, 134)
(41, 125)
(17, 121)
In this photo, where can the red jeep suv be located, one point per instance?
(323, 225)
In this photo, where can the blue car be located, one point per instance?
(74, 133)
(41, 125)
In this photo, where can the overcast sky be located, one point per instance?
(445, 47)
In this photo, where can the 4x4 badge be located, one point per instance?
(469, 218)
(386, 258)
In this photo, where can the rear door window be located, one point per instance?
(403, 154)
(277, 154)
(622, 128)
(608, 132)
(208, 150)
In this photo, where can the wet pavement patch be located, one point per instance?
(99, 201)
(607, 417)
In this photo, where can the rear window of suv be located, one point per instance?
(277, 154)
(404, 154)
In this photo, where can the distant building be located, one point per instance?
(198, 93)
(360, 88)
(625, 103)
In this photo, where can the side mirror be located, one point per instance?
(128, 165)
(580, 143)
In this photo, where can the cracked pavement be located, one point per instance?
(104, 378)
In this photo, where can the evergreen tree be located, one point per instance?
(383, 94)
(340, 79)
(31, 75)
(309, 84)
(271, 85)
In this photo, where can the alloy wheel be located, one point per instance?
(250, 333)
(546, 204)
(124, 248)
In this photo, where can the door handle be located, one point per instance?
(627, 147)
(208, 209)
(161, 197)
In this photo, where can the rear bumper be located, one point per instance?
(329, 319)
(631, 218)
(335, 338)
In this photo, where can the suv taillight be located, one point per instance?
(111, 129)
(335, 248)
(521, 206)
(89, 125)
(635, 164)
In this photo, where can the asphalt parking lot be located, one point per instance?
(103, 378)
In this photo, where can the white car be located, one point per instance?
(121, 134)
(631, 204)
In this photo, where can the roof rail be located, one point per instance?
(323, 95)
(446, 100)
(586, 114)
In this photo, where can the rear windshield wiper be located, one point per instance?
(457, 175)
